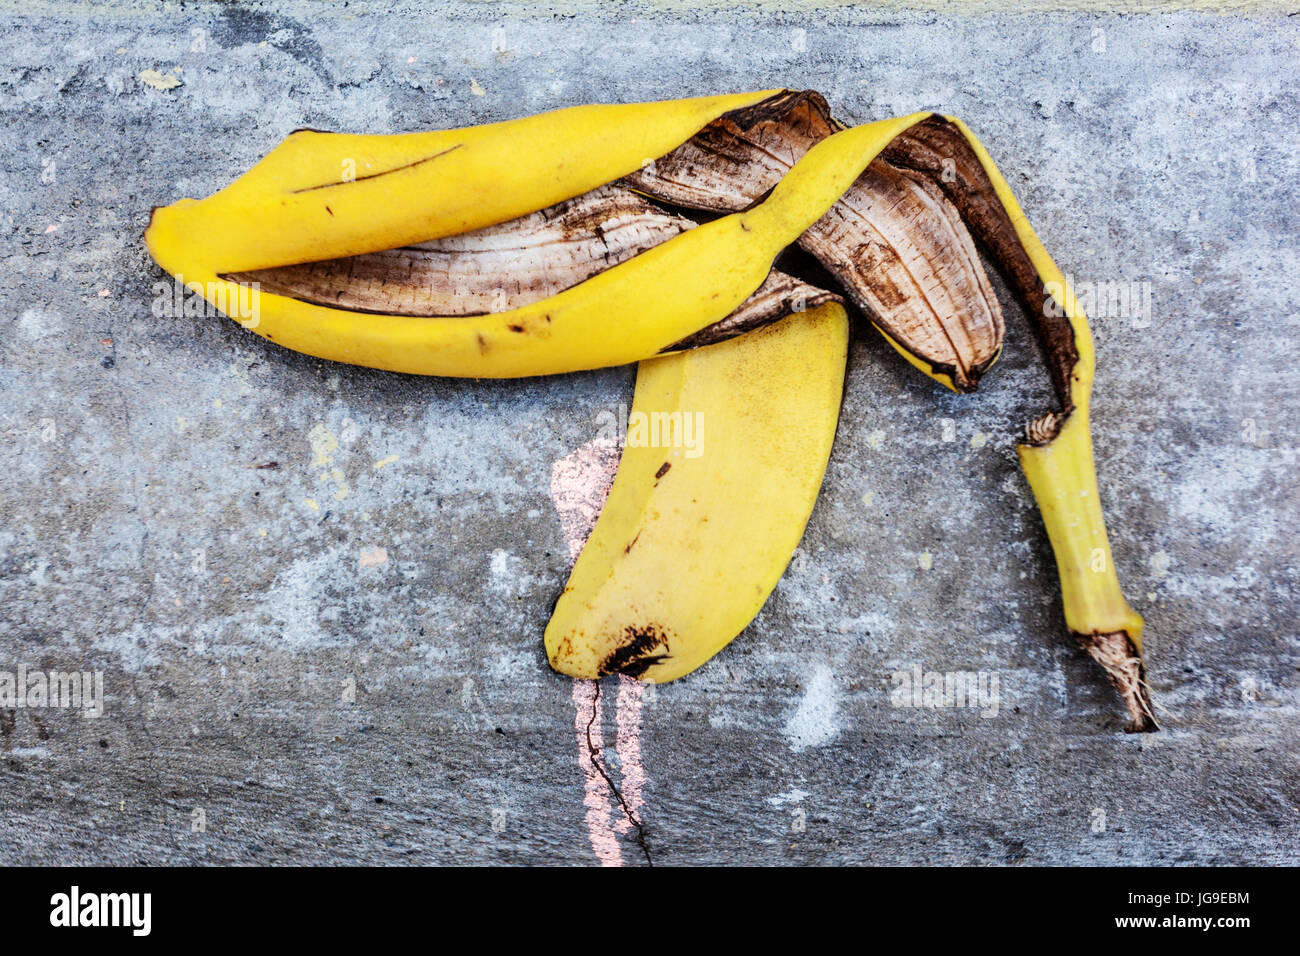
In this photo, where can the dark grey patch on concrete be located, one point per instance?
(238, 25)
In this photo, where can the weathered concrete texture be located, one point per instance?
(229, 602)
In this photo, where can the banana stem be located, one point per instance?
(1064, 482)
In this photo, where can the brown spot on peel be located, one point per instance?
(642, 648)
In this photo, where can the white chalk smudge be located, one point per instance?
(1159, 564)
(597, 797)
(38, 324)
(296, 601)
(795, 795)
(580, 484)
(815, 721)
(500, 563)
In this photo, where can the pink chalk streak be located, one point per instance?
(580, 484)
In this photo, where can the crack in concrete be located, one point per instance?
(594, 752)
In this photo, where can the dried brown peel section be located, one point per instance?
(894, 240)
(937, 150)
(1122, 663)
(488, 270)
(904, 257)
(519, 262)
(735, 160)
(778, 296)
(1043, 429)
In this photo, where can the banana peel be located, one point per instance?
(293, 208)
(698, 278)
(690, 544)
(1057, 455)
(893, 241)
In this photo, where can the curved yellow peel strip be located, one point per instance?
(1063, 478)
(327, 195)
(924, 367)
(658, 298)
(697, 532)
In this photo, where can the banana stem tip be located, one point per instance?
(1122, 662)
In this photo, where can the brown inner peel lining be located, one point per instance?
(520, 262)
(894, 242)
(488, 270)
(924, 149)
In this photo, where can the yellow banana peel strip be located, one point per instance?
(324, 195)
(296, 206)
(702, 521)
(1058, 463)
(661, 296)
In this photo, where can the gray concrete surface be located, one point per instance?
(229, 605)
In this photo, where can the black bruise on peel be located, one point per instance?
(640, 651)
